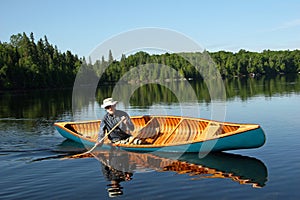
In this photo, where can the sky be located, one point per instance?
(229, 25)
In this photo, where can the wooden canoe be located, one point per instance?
(172, 134)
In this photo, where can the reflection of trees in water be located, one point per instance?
(35, 104)
(53, 103)
(243, 88)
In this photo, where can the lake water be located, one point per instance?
(31, 150)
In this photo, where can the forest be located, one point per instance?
(27, 64)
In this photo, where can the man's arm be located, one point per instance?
(128, 122)
(101, 131)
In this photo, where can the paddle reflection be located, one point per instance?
(119, 166)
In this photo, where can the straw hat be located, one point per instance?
(108, 102)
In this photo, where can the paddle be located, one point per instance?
(100, 142)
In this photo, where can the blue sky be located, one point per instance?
(231, 25)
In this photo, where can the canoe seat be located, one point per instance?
(149, 132)
(212, 130)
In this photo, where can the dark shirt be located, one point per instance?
(119, 133)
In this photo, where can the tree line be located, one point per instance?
(229, 64)
(267, 62)
(25, 64)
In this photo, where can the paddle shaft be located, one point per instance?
(106, 135)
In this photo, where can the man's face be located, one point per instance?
(110, 109)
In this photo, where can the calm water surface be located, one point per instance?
(31, 150)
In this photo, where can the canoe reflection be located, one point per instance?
(119, 166)
(242, 169)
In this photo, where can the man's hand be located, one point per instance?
(123, 118)
(100, 141)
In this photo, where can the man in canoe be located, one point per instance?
(118, 134)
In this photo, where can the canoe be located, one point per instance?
(172, 134)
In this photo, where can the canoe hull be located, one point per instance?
(250, 138)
